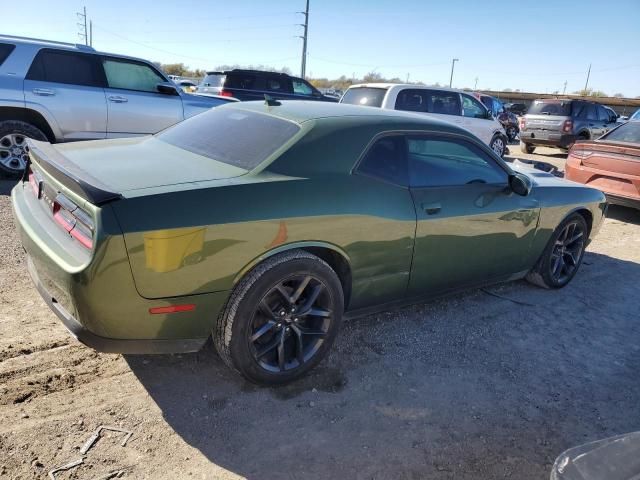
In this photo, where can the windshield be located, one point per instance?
(635, 116)
(627, 132)
(368, 96)
(551, 107)
(212, 80)
(230, 135)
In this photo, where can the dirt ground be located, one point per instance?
(495, 383)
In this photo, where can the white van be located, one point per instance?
(454, 106)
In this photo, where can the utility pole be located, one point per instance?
(564, 89)
(453, 64)
(407, 78)
(305, 25)
(587, 82)
(475, 85)
(83, 25)
(91, 33)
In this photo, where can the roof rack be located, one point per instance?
(247, 70)
(53, 42)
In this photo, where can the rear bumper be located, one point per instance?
(542, 137)
(623, 201)
(110, 345)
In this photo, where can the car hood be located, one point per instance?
(540, 178)
(131, 164)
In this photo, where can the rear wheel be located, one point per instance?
(13, 145)
(526, 147)
(563, 254)
(281, 319)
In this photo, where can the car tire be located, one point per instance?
(260, 333)
(563, 255)
(512, 133)
(13, 135)
(526, 148)
(498, 144)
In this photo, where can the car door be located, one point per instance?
(69, 86)
(477, 118)
(605, 121)
(279, 87)
(470, 227)
(590, 118)
(134, 104)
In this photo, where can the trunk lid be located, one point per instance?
(545, 122)
(105, 170)
(618, 158)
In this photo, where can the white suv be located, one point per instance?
(454, 106)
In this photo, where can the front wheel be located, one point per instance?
(498, 145)
(563, 254)
(281, 319)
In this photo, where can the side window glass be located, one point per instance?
(412, 100)
(65, 67)
(244, 82)
(386, 160)
(591, 113)
(278, 85)
(472, 108)
(302, 88)
(445, 103)
(5, 51)
(443, 161)
(603, 114)
(131, 75)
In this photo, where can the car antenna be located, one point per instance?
(270, 101)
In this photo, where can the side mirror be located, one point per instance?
(520, 184)
(168, 88)
(489, 115)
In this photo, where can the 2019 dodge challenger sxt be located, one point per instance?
(263, 224)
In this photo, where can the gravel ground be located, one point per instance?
(494, 383)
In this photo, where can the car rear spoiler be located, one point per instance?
(47, 157)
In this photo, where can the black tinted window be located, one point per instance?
(604, 114)
(443, 161)
(66, 67)
(386, 160)
(550, 107)
(413, 100)
(371, 97)
(279, 85)
(628, 132)
(5, 51)
(230, 135)
(241, 81)
(431, 101)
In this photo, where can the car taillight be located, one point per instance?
(580, 153)
(225, 93)
(33, 181)
(523, 123)
(567, 126)
(74, 220)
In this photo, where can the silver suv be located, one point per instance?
(560, 122)
(63, 92)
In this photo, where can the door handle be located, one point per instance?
(44, 92)
(431, 208)
(118, 99)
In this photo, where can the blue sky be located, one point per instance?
(531, 46)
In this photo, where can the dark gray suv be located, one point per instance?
(62, 92)
(560, 122)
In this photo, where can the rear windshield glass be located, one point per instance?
(230, 135)
(5, 50)
(371, 97)
(550, 107)
(628, 132)
(213, 80)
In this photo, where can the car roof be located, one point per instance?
(405, 85)
(64, 46)
(300, 111)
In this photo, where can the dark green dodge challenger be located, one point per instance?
(263, 224)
